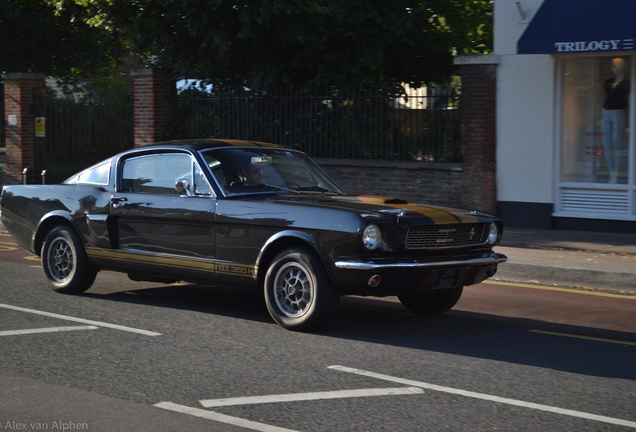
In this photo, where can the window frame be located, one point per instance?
(196, 174)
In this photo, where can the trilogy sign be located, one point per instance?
(601, 45)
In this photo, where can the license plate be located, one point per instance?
(446, 279)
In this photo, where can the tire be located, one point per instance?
(65, 263)
(298, 293)
(431, 303)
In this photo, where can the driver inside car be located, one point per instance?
(248, 174)
(253, 175)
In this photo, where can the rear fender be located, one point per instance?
(46, 224)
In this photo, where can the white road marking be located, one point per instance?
(80, 320)
(45, 330)
(488, 397)
(211, 415)
(277, 398)
(299, 397)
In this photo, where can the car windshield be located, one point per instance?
(249, 170)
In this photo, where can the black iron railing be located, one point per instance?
(359, 124)
(79, 134)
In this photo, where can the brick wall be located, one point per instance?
(23, 101)
(154, 101)
(479, 134)
(417, 182)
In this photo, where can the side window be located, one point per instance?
(97, 174)
(201, 186)
(156, 174)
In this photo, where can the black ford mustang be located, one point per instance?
(249, 214)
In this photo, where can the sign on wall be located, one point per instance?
(40, 127)
(580, 26)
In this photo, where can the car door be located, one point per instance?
(160, 230)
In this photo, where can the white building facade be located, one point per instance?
(566, 135)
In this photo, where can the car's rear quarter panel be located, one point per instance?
(26, 207)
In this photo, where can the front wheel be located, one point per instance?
(431, 303)
(298, 293)
(65, 263)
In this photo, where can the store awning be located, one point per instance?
(576, 26)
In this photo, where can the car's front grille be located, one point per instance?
(444, 236)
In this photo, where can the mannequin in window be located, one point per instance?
(614, 113)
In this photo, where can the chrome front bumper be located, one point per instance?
(392, 265)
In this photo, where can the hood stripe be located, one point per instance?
(439, 215)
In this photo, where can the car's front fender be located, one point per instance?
(282, 240)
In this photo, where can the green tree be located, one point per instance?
(304, 43)
(36, 38)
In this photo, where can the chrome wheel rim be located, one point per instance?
(60, 259)
(294, 290)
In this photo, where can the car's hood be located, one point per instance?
(398, 210)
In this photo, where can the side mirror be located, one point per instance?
(183, 187)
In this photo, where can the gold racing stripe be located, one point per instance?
(99, 253)
(439, 215)
(173, 261)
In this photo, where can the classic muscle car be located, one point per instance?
(249, 214)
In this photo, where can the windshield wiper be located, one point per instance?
(284, 189)
(318, 189)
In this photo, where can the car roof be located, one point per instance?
(201, 144)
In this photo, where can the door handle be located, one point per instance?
(115, 200)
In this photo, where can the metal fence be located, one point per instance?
(79, 134)
(355, 124)
(3, 122)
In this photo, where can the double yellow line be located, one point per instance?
(570, 290)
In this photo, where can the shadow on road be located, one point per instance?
(457, 332)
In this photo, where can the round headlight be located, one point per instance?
(494, 234)
(371, 237)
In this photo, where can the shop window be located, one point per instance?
(595, 120)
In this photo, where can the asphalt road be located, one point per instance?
(130, 356)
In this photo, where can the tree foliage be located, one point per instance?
(309, 42)
(305, 43)
(37, 39)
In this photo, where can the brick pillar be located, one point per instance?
(478, 116)
(154, 102)
(23, 102)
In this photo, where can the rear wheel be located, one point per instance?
(65, 263)
(298, 293)
(431, 303)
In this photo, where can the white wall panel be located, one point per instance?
(525, 128)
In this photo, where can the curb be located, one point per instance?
(570, 268)
(618, 282)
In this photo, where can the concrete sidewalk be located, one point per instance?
(590, 260)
